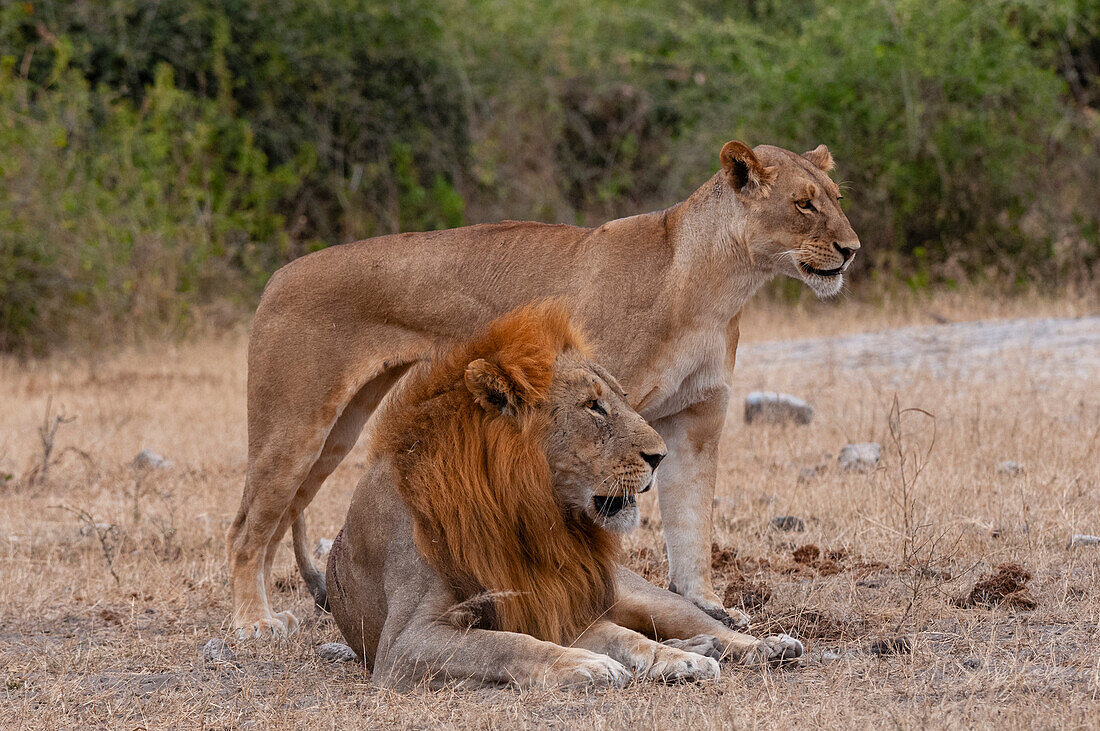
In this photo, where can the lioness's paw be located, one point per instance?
(706, 645)
(676, 666)
(273, 626)
(774, 650)
(736, 619)
(733, 618)
(583, 668)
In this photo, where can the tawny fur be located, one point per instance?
(659, 293)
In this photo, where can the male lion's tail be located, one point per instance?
(315, 580)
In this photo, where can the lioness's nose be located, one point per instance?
(653, 459)
(847, 251)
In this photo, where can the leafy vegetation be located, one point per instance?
(156, 157)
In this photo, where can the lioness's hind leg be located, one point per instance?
(283, 454)
(341, 439)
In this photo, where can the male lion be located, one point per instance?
(481, 540)
(661, 294)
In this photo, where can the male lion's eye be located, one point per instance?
(596, 407)
(805, 205)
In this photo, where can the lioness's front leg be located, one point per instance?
(646, 658)
(666, 616)
(685, 492)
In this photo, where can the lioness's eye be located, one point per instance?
(806, 205)
(595, 406)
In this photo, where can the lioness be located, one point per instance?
(661, 294)
(482, 539)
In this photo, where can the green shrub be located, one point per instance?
(156, 156)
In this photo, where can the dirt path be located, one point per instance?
(1064, 347)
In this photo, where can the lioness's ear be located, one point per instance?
(743, 170)
(490, 386)
(821, 158)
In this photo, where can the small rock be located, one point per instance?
(861, 457)
(824, 657)
(324, 546)
(806, 474)
(217, 650)
(972, 663)
(1083, 539)
(95, 529)
(789, 523)
(1009, 468)
(769, 407)
(147, 459)
(336, 652)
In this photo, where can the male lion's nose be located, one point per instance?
(653, 459)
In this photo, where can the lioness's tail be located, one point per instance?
(315, 580)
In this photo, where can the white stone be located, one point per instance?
(1009, 467)
(336, 652)
(861, 457)
(147, 459)
(770, 407)
(217, 650)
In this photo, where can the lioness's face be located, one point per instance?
(795, 224)
(601, 452)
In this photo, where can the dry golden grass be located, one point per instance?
(82, 649)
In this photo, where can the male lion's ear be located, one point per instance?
(490, 386)
(821, 158)
(744, 171)
(609, 379)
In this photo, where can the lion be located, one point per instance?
(481, 545)
(660, 293)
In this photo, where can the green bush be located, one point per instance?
(115, 219)
(158, 156)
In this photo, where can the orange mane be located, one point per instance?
(478, 484)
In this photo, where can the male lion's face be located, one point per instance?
(601, 452)
(794, 223)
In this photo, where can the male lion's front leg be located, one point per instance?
(666, 616)
(646, 658)
(685, 491)
(435, 652)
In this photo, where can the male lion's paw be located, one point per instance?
(274, 626)
(774, 650)
(676, 666)
(706, 645)
(583, 668)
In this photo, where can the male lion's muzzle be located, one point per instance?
(611, 505)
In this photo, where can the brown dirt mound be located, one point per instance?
(811, 624)
(1007, 585)
(806, 554)
(723, 559)
(827, 563)
(748, 596)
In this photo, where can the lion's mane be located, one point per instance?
(478, 484)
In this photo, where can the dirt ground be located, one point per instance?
(936, 589)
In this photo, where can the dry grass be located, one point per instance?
(896, 550)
